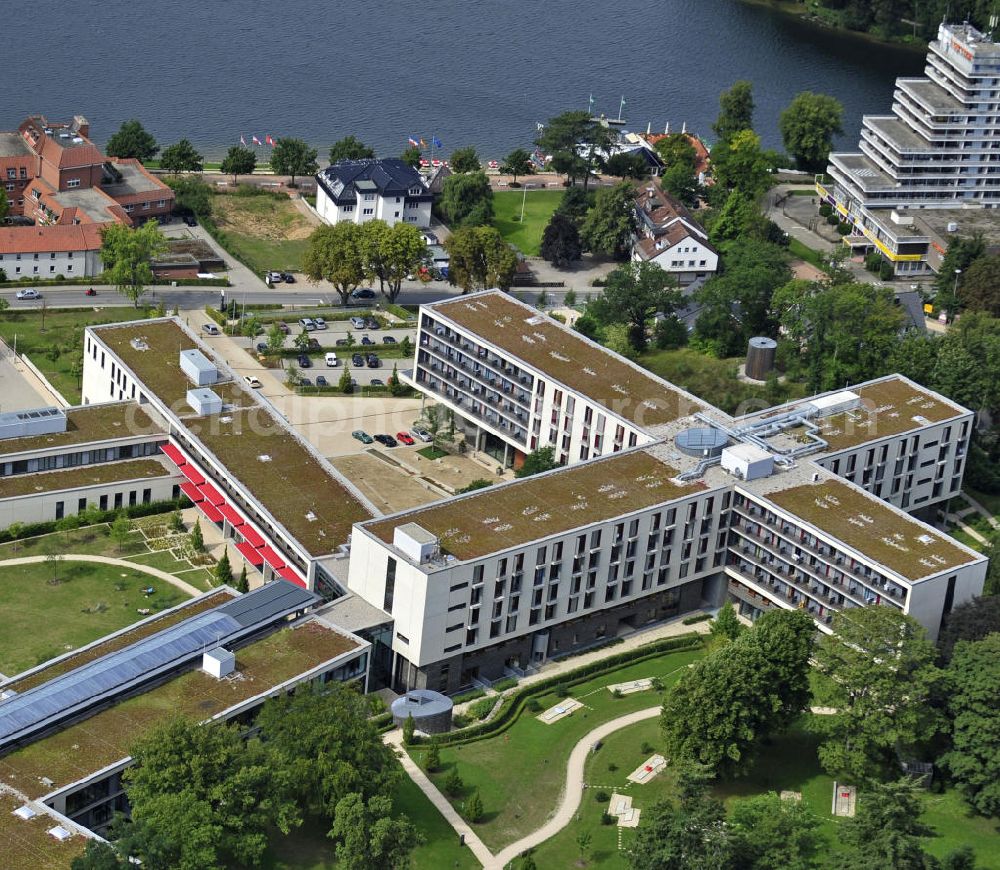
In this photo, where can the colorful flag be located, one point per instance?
(437, 142)
(413, 142)
(423, 142)
(242, 140)
(269, 140)
(255, 140)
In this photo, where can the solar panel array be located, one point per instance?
(115, 671)
(268, 601)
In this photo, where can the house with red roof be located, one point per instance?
(668, 236)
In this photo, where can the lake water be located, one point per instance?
(479, 73)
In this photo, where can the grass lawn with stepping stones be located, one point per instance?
(538, 208)
(520, 773)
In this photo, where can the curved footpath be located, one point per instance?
(108, 560)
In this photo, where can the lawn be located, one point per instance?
(265, 231)
(715, 380)
(309, 849)
(787, 763)
(532, 752)
(538, 208)
(50, 609)
(988, 501)
(804, 252)
(53, 340)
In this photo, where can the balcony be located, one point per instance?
(486, 384)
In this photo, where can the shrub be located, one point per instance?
(607, 818)
(843, 228)
(825, 210)
(646, 749)
(602, 797)
(533, 705)
(453, 785)
(832, 220)
(482, 708)
(612, 767)
(617, 693)
(468, 696)
(474, 808)
(562, 690)
(505, 684)
(885, 271)
(700, 617)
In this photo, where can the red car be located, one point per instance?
(404, 438)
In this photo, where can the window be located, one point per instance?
(369, 197)
(390, 585)
(73, 182)
(145, 206)
(11, 173)
(402, 638)
(348, 208)
(368, 211)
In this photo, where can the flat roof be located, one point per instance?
(82, 475)
(134, 181)
(560, 353)
(92, 201)
(888, 407)
(13, 145)
(873, 528)
(316, 508)
(27, 843)
(105, 738)
(90, 423)
(513, 514)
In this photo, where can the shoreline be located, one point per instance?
(800, 12)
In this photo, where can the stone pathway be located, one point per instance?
(108, 560)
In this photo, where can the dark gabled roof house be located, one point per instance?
(389, 177)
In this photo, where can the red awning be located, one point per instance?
(231, 514)
(175, 456)
(250, 535)
(192, 492)
(287, 573)
(250, 554)
(192, 474)
(272, 558)
(212, 495)
(211, 512)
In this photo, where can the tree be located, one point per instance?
(738, 218)
(16, 529)
(681, 183)
(346, 383)
(808, 126)
(769, 832)
(675, 149)
(972, 620)
(885, 829)
(132, 140)
(275, 339)
(191, 196)
(962, 252)
(176, 521)
(739, 163)
(979, 289)
(239, 160)
(223, 570)
(474, 808)
(627, 165)
(584, 840)
(293, 157)
(97, 856)
(391, 254)
(735, 111)
(453, 785)
(409, 727)
(882, 672)
(433, 760)
(126, 254)
(479, 259)
(210, 794)
(634, 292)
(465, 160)
(575, 204)
(196, 538)
(973, 684)
(121, 530)
(518, 162)
(467, 200)
(323, 737)
(561, 243)
(4, 204)
(411, 156)
(181, 157)
(336, 254)
(242, 584)
(369, 838)
(726, 624)
(610, 224)
(350, 148)
(576, 143)
(542, 459)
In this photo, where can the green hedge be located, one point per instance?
(33, 530)
(691, 620)
(513, 704)
(400, 311)
(99, 281)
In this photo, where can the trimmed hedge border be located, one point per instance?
(693, 620)
(513, 704)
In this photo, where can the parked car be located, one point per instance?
(252, 381)
(288, 277)
(261, 347)
(365, 340)
(282, 326)
(421, 434)
(307, 323)
(314, 344)
(320, 322)
(387, 440)
(388, 339)
(29, 293)
(190, 220)
(405, 438)
(358, 322)
(304, 361)
(331, 360)
(373, 361)
(376, 382)
(273, 277)
(341, 342)
(358, 360)
(305, 382)
(207, 328)
(372, 323)
(363, 293)
(321, 381)
(362, 436)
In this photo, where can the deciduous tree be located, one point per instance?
(293, 157)
(561, 243)
(630, 165)
(368, 837)
(350, 148)
(767, 832)
(239, 160)
(467, 200)
(962, 252)
(518, 162)
(181, 157)
(739, 163)
(542, 459)
(576, 143)
(465, 160)
(676, 149)
(808, 126)
(4, 204)
(885, 829)
(575, 204)
(191, 196)
(337, 254)
(610, 224)
(726, 624)
(972, 620)
(411, 156)
(132, 140)
(735, 111)
(126, 254)
(479, 259)
(391, 253)
(634, 292)
(979, 289)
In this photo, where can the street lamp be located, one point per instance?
(957, 273)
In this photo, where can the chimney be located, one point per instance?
(81, 126)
